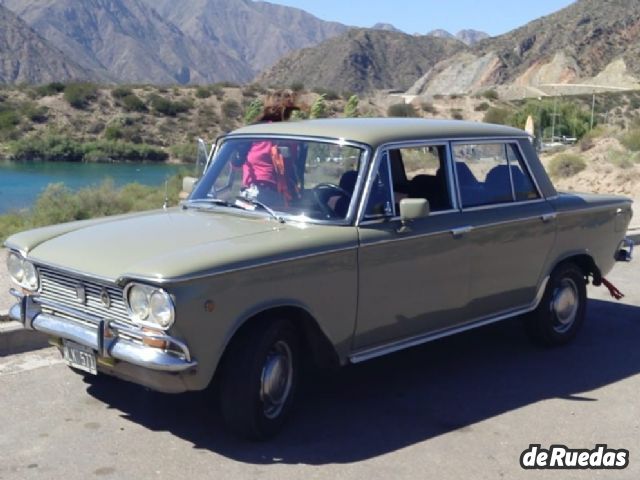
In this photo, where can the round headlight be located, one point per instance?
(15, 268)
(139, 303)
(30, 277)
(161, 308)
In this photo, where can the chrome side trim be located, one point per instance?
(370, 353)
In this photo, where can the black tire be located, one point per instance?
(256, 355)
(562, 310)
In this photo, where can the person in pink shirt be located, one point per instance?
(269, 171)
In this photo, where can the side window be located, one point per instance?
(523, 186)
(420, 172)
(380, 203)
(491, 173)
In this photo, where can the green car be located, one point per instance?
(321, 242)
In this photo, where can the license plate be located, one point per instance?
(80, 357)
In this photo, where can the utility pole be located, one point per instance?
(593, 108)
(553, 123)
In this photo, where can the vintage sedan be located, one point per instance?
(331, 241)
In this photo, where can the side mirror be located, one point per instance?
(413, 209)
(188, 183)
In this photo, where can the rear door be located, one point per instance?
(511, 230)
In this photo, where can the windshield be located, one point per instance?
(291, 177)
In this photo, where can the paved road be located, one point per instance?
(463, 407)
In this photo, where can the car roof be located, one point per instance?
(378, 131)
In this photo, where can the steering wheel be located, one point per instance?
(320, 195)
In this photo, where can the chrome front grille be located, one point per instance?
(59, 288)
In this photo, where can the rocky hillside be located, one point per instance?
(362, 60)
(172, 42)
(25, 57)
(589, 42)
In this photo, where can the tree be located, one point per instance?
(351, 107)
(319, 108)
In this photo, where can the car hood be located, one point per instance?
(175, 245)
(132, 244)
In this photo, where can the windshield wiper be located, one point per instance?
(209, 201)
(264, 206)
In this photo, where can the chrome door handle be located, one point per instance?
(547, 217)
(458, 232)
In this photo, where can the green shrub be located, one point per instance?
(203, 92)
(496, 115)
(490, 95)
(167, 107)
(428, 107)
(566, 165)
(401, 110)
(297, 87)
(253, 111)
(319, 108)
(231, 109)
(631, 140)
(185, 152)
(80, 95)
(456, 114)
(328, 94)
(50, 89)
(621, 159)
(58, 148)
(351, 107)
(483, 107)
(133, 103)
(588, 140)
(121, 92)
(8, 120)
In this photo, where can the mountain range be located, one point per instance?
(166, 41)
(590, 42)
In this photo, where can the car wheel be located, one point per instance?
(259, 378)
(562, 310)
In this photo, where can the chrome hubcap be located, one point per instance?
(565, 305)
(276, 379)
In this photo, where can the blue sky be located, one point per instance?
(421, 16)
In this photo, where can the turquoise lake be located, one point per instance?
(21, 183)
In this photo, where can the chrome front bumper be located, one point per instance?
(104, 336)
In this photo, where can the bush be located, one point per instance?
(167, 107)
(231, 109)
(319, 108)
(80, 95)
(50, 89)
(566, 165)
(203, 92)
(58, 148)
(297, 87)
(428, 107)
(328, 94)
(587, 142)
(121, 92)
(185, 152)
(133, 103)
(254, 111)
(483, 107)
(631, 140)
(401, 110)
(456, 114)
(490, 95)
(500, 116)
(351, 107)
